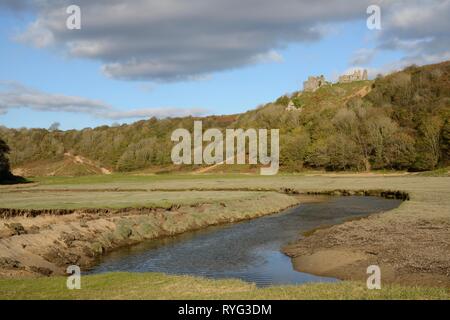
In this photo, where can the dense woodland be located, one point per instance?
(402, 123)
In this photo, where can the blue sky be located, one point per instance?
(52, 70)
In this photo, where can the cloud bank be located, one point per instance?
(419, 28)
(175, 40)
(14, 95)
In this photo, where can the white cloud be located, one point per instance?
(154, 112)
(271, 56)
(14, 95)
(37, 35)
(362, 56)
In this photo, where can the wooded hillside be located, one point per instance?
(400, 121)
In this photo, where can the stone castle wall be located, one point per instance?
(357, 75)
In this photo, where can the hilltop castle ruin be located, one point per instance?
(357, 75)
(314, 83)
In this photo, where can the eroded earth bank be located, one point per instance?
(45, 242)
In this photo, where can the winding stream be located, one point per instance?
(247, 250)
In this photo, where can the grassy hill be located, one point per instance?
(400, 122)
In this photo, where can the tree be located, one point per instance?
(428, 145)
(351, 128)
(5, 173)
(294, 148)
(445, 138)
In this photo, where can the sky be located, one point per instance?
(132, 60)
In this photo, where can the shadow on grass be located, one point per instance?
(12, 179)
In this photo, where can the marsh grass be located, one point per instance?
(35, 199)
(161, 286)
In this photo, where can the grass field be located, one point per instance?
(413, 238)
(160, 286)
(120, 199)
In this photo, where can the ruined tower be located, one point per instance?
(314, 83)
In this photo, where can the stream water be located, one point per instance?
(248, 250)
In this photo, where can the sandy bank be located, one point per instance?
(409, 250)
